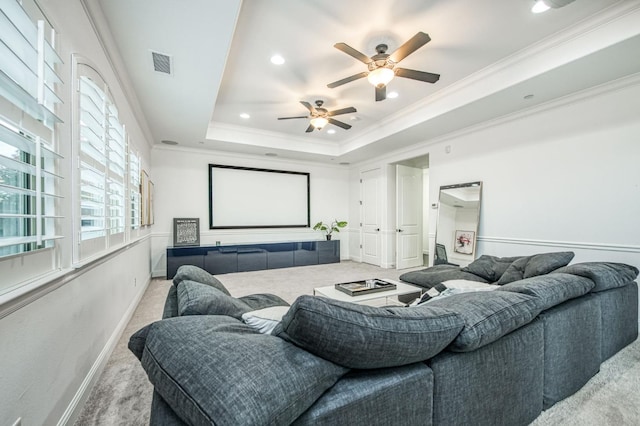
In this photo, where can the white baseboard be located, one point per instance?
(74, 408)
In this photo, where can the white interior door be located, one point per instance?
(370, 213)
(408, 217)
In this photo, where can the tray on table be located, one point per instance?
(357, 288)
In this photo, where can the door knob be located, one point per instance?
(378, 229)
(400, 230)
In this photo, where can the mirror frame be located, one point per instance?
(477, 225)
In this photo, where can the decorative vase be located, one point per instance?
(328, 237)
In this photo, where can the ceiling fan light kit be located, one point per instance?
(320, 117)
(382, 66)
(543, 5)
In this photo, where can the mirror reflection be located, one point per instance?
(457, 223)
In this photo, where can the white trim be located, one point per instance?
(77, 402)
(563, 244)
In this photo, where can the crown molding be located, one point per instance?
(615, 24)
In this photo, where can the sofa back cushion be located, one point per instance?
(201, 299)
(213, 370)
(488, 315)
(605, 275)
(359, 336)
(551, 289)
(199, 275)
(532, 266)
(434, 275)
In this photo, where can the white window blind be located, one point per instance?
(29, 87)
(134, 188)
(102, 166)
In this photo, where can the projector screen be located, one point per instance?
(243, 197)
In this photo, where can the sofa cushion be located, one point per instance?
(488, 315)
(551, 289)
(200, 299)
(532, 266)
(199, 275)
(605, 275)
(360, 336)
(490, 268)
(211, 370)
(434, 275)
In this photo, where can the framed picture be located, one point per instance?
(464, 242)
(144, 198)
(186, 232)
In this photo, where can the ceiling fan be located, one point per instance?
(382, 66)
(321, 116)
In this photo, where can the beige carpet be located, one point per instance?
(122, 395)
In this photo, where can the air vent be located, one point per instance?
(161, 62)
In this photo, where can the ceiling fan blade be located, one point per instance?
(381, 93)
(308, 106)
(410, 46)
(348, 79)
(352, 52)
(289, 118)
(310, 128)
(339, 124)
(341, 111)
(417, 75)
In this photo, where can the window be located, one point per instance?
(102, 166)
(29, 87)
(134, 189)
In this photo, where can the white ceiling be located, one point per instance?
(489, 55)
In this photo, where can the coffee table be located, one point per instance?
(376, 299)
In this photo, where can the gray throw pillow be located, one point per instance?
(538, 264)
(488, 315)
(488, 267)
(199, 275)
(359, 336)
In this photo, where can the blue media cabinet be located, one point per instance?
(253, 257)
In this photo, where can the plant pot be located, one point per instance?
(328, 237)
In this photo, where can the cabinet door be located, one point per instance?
(329, 251)
(221, 262)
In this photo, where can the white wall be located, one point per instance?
(55, 340)
(561, 176)
(565, 178)
(182, 190)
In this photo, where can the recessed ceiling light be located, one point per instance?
(168, 142)
(277, 60)
(245, 115)
(331, 131)
(392, 95)
(354, 118)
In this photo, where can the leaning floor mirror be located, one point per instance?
(457, 223)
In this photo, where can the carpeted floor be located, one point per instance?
(122, 394)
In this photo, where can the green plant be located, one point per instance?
(329, 229)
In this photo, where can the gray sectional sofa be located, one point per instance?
(482, 358)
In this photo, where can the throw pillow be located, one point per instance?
(488, 267)
(199, 275)
(532, 266)
(265, 320)
(360, 336)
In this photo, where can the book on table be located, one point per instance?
(357, 288)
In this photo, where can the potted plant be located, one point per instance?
(329, 229)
